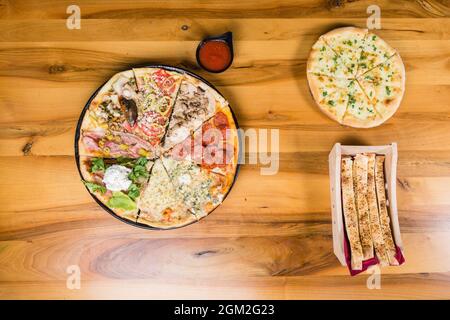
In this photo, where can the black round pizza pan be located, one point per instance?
(77, 155)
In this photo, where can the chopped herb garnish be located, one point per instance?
(388, 91)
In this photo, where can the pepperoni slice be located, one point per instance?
(165, 81)
(221, 120)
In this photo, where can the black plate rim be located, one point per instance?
(77, 155)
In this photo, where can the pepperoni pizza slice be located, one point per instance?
(214, 146)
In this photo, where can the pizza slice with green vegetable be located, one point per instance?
(347, 42)
(385, 85)
(326, 62)
(330, 94)
(375, 51)
(360, 112)
(117, 183)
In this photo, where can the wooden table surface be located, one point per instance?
(271, 238)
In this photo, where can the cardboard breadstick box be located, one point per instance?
(340, 240)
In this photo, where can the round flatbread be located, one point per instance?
(355, 77)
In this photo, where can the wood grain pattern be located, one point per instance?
(271, 238)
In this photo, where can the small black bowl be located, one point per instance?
(227, 38)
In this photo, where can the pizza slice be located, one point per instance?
(113, 144)
(360, 111)
(201, 190)
(160, 204)
(114, 108)
(375, 226)
(107, 128)
(330, 94)
(117, 183)
(360, 163)
(375, 51)
(385, 86)
(385, 221)
(157, 91)
(347, 43)
(196, 102)
(324, 61)
(350, 213)
(214, 146)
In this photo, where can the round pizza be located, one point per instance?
(158, 146)
(355, 77)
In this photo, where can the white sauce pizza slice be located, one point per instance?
(324, 61)
(160, 204)
(330, 94)
(385, 86)
(375, 51)
(360, 112)
(201, 189)
(347, 42)
(196, 102)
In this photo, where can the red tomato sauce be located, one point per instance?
(215, 55)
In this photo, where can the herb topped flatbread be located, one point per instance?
(370, 73)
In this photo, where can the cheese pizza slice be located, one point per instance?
(385, 85)
(196, 102)
(347, 43)
(160, 204)
(330, 94)
(324, 61)
(201, 190)
(117, 183)
(360, 111)
(375, 51)
(157, 91)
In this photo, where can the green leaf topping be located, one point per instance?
(120, 200)
(93, 187)
(97, 165)
(133, 191)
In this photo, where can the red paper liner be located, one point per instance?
(369, 262)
